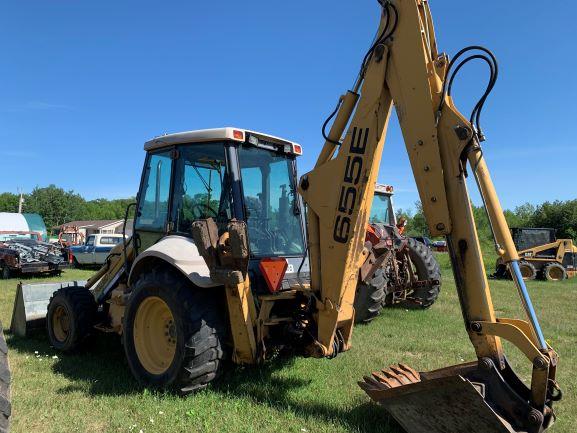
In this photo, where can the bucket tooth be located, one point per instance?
(403, 375)
(373, 383)
(383, 380)
(416, 377)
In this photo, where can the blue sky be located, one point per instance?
(83, 84)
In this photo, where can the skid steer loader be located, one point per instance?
(543, 255)
(205, 276)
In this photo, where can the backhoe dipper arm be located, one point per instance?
(403, 67)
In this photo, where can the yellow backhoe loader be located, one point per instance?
(218, 266)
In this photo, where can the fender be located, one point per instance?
(181, 253)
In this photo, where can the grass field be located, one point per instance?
(94, 391)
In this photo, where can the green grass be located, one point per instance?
(94, 391)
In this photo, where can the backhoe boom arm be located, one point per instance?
(404, 68)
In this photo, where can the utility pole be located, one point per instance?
(20, 201)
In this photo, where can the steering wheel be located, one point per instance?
(203, 210)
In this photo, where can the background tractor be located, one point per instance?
(542, 255)
(399, 270)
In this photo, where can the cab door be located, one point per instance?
(151, 222)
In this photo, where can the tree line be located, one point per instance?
(560, 215)
(57, 206)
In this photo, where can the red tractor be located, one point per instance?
(398, 270)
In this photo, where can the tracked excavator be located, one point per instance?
(217, 266)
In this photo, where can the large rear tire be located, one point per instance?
(71, 318)
(370, 297)
(174, 333)
(5, 406)
(427, 268)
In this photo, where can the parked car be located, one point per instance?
(424, 240)
(95, 250)
(440, 246)
(25, 253)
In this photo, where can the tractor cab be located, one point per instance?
(225, 174)
(382, 210)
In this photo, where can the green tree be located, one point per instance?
(417, 225)
(103, 209)
(560, 215)
(55, 205)
(8, 202)
(522, 216)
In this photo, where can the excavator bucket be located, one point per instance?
(472, 398)
(31, 305)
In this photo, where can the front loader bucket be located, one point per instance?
(31, 305)
(467, 398)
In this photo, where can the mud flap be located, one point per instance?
(31, 305)
(471, 398)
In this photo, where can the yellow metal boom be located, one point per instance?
(404, 68)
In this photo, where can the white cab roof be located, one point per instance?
(216, 134)
(384, 189)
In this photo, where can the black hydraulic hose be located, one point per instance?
(491, 60)
(324, 128)
(378, 39)
(385, 34)
(474, 118)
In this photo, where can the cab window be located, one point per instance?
(272, 212)
(109, 240)
(201, 186)
(382, 210)
(153, 205)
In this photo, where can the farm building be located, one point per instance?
(22, 222)
(87, 228)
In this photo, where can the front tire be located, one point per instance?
(71, 317)
(174, 333)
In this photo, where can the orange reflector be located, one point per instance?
(238, 135)
(297, 149)
(273, 270)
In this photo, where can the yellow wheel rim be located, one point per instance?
(555, 273)
(154, 335)
(526, 271)
(60, 323)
